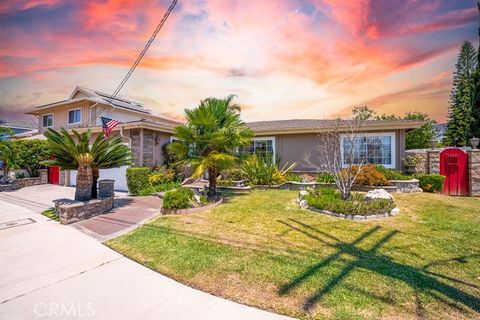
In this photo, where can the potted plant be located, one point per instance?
(410, 163)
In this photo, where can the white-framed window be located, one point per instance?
(376, 148)
(262, 146)
(75, 116)
(47, 120)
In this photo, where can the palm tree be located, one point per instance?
(88, 160)
(211, 138)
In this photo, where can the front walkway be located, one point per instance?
(53, 271)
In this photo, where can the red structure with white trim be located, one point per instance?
(454, 166)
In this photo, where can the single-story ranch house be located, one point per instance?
(147, 133)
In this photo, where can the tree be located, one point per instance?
(88, 160)
(415, 139)
(5, 133)
(420, 138)
(462, 97)
(9, 159)
(338, 157)
(475, 129)
(31, 154)
(210, 139)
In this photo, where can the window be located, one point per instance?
(47, 120)
(264, 147)
(74, 116)
(376, 148)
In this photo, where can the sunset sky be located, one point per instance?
(283, 59)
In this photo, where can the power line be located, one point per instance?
(137, 61)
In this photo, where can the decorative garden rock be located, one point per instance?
(304, 204)
(378, 194)
(301, 195)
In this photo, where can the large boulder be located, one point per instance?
(378, 194)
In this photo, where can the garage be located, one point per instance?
(117, 174)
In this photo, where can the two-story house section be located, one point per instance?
(144, 132)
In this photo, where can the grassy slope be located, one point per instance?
(261, 250)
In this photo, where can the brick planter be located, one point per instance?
(70, 211)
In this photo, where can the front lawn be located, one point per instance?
(261, 250)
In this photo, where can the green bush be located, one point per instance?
(330, 199)
(293, 177)
(430, 182)
(265, 170)
(158, 188)
(233, 174)
(137, 179)
(326, 177)
(161, 175)
(180, 198)
(392, 174)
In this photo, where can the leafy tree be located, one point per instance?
(5, 132)
(31, 154)
(8, 157)
(462, 96)
(420, 138)
(77, 154)
(210, 139)
(475, 129)
(415, 139)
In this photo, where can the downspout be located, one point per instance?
(128, 138)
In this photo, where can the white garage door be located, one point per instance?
(117, 174)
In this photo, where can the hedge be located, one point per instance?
(137, 179)
(180, 198)
(430, 182)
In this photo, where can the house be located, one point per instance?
(292, 140)
(146, 133)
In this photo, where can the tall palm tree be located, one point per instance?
(210, 139)
(73, 154)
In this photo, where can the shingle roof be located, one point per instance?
(312, 124)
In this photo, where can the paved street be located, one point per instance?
(51, 271)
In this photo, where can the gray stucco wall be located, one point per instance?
(293, 148)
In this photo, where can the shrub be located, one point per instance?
(225, 183)
(158, 188)
(161, 175)
(137, 179)
(370, 176)
(392, 174)
(234, 174)
(265, 170)
(430, 182)
(326, 177)
(293, 177)
(180, 198)
(331, 200)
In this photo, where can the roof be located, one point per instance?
(315, 125)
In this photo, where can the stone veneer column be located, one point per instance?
(474, 172)
(433, 161)
(43, 175)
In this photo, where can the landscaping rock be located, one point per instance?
(304, 204)
(301, 195)
(378, 194)
(394, 211)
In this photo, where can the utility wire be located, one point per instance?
(137, 61)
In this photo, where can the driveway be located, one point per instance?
(51, 271)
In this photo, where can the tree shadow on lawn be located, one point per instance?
(420, 279)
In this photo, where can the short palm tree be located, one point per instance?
(74, 152)
(211, 138)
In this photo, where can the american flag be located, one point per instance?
(108, 125)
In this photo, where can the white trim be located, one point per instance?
(173, 138)
(68, 116)
(53, 120)
(272, 138)
(393, 146)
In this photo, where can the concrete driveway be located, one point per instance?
(51, 271)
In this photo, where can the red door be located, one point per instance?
(454, 166)
(53, 175)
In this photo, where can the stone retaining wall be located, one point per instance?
(70, 211)
(26, 182)
(474, 172)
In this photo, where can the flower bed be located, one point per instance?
(184, 200)
(358, 207)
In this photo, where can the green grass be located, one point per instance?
(50, 213)
(261, 250)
